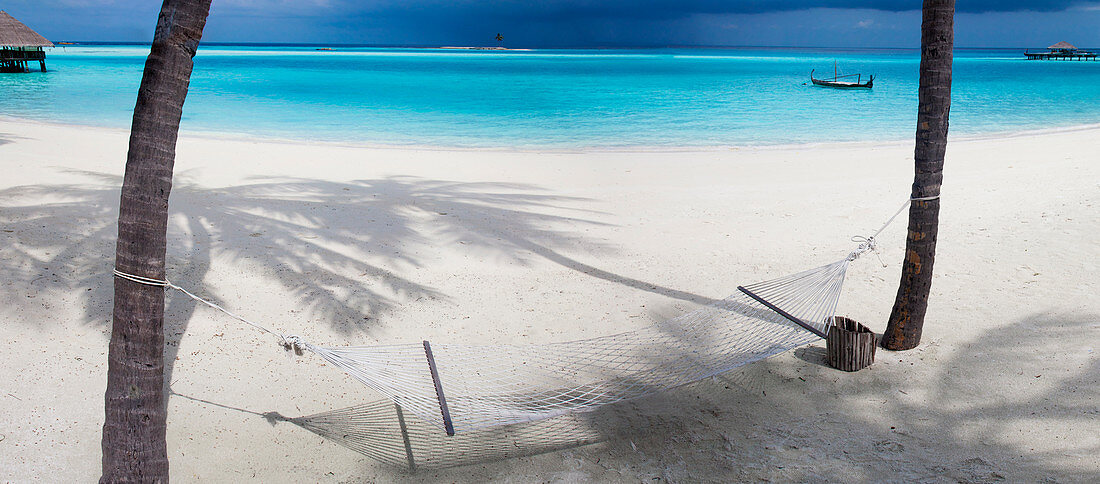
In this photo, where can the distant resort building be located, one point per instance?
(20, 45)
(1061, 51)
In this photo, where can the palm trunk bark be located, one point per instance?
(134, 446)
(903, 331)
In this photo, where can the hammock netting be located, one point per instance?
(461, 388)
(383, 432)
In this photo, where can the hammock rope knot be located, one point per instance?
(866, 244)
(293, 342)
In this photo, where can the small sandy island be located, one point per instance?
(483, 48)
(353, 245)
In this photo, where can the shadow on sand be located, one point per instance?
(333, 245)
(329, 244)
(751, 434)
(61, 238)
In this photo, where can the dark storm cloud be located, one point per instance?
(556, 22)
(663, 9)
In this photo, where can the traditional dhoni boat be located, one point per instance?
(847, 83)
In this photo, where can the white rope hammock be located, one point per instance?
(460, 388)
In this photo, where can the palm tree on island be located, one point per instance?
(500, 40)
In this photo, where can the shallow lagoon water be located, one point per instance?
(592, 98)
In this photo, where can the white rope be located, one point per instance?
(288, 341)
(141, 280)
(867, 244)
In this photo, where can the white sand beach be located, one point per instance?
(350, 245)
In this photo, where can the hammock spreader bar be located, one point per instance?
(781, 311)
(447, 424)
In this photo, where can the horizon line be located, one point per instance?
(572, 47)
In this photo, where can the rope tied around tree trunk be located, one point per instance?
(287, 341)
(868, 243)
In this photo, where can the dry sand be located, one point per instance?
(360, 245)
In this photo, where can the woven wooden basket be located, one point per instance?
(850, 346)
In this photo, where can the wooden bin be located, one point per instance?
(850, 346)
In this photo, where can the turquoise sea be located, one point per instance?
(591, 98)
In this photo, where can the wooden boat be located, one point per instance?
(836, 81)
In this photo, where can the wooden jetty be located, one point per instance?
(1062, 51)
(19, 45)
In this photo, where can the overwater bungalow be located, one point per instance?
(19, 45)
(1061, 51)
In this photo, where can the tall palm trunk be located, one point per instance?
(134, 447)
(903, 331)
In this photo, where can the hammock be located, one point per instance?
(469, 387)
(460, 388)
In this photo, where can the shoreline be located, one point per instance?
(253, 138)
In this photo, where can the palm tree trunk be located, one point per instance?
(903, 330)
(134, 446)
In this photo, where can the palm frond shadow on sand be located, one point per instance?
(337, 247)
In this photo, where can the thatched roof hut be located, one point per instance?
(20, 45)
(14, 34)
(1063, 46)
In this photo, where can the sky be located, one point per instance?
(578, 23)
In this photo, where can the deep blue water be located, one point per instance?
(558, 98)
